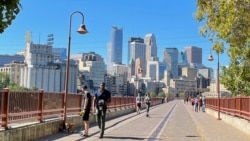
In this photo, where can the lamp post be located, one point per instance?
(82, 30)
(210, 58)
(135, 86)
(135, 91)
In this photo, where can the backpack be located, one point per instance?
(102, 98)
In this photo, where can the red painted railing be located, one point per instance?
(238, 106)
(18, 106)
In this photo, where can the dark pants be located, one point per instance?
(100, 118)
(147, 106)
(196, 107)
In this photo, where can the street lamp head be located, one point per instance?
(82, 29)
(210, 57)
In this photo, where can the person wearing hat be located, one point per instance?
(86, 107)
(101, 99)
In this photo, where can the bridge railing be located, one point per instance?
(238, 106)
(36, 106)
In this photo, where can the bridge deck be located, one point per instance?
(173, 121)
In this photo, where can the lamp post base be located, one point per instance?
(218, 118)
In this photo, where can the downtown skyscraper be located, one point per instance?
(151, 47)
(194, 54)
(114, 48)
(170, 57)
(137, 50)
(131, 49)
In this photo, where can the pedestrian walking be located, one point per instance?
(138, 103)
(86, 108)
(200, 103)
(196, 104)
(147, 100)
(203, 103)
(101, 100)
(192, 103)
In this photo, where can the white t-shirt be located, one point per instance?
(138, 99)
(147, 99)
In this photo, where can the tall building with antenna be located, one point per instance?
(42, 71)
(50, 40)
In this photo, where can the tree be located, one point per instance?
(9, 10)
(5, 83)
(142, 89)
(227, 26)
(152, 94)
(182, 95)
(33, 88)
(161, 94)
(15, 87)
(4, 80)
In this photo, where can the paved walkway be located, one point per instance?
(173, 121)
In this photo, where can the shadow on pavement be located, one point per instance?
(124, 138)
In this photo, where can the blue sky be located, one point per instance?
(172, 22)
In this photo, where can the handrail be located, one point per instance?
(237, 106)
(19, 106)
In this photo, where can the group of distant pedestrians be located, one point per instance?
(139, 100)
(198, 103)
(97, 104)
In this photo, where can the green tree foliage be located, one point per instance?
(4, 80)
(168, 95)
(182, 95)
(9, 10)
(226, 24)
(142, 89)
(15, 87)
(5, 83)
(161, 94)
(34, 88)
(152, 94)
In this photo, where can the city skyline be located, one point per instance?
(172, 24)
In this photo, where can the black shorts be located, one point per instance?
(139, 105)
(85, 116)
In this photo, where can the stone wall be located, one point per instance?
(239, 123)
(39, 130)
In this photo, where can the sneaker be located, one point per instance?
(83, 135)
